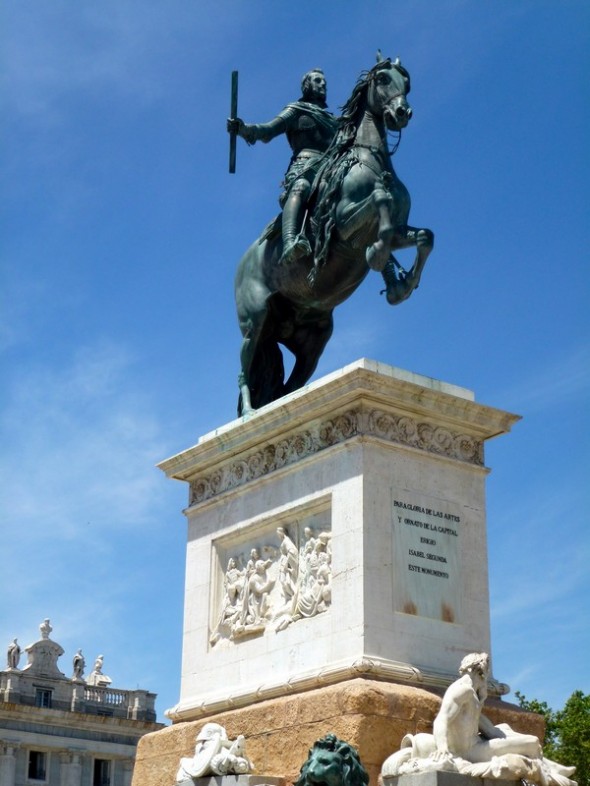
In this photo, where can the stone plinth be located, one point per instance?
(235, 780)
(443, 779)
(338, 532)
(371, 715)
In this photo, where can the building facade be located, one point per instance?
(59, 730)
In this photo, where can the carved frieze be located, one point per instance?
(272, 586)
(402, 430)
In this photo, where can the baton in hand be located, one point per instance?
(233, 116)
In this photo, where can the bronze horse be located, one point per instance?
(357, 216)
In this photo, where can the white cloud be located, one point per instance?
(82, 500)
(539, 548)
(21, 296)
(554, 383)
(79, 444)
(125, 47)
(526, 595)
(349, 344)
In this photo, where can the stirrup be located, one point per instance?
(299, 248)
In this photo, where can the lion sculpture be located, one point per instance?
(332, 762)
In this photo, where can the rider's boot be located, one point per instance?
(295, 244)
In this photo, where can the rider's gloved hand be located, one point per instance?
(235, 125)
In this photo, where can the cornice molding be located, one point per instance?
(360, 421)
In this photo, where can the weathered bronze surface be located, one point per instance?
(233, 116)
(344, 212)
(332, 762)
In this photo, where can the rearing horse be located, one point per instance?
(357, 217)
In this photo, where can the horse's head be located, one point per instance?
(388, 84)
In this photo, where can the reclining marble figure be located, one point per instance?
(215, 754)
(465, 741)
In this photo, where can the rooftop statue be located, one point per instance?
(464, 741)
(78, 665)
(13, 654)
(96, 677)
(344, 212)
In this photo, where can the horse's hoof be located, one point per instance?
(425, 239)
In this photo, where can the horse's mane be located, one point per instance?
(336, 161)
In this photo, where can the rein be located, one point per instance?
(379, 156)
(396, 143)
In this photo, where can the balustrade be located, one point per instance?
(108, 696)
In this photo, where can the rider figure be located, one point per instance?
(309, 128)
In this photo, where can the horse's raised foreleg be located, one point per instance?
(352, 219)
(423, 239)
(357, 217)
(378, 254)
(400, 285)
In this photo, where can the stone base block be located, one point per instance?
(373, 716)
(442, 779)
(234, 780)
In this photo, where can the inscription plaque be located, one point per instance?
(426, 547)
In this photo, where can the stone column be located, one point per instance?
(139, 705)
(77, 704)
(8, 762)
(71, 768)
(127, 766)
(12, 692)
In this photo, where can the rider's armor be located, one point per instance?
(309, 130)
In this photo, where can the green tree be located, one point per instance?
(567, 735)
(542, 708)
(573, 724)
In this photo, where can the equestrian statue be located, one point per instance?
(344, 211)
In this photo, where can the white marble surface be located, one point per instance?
(465, 742)
(336, 456)
(215, 754)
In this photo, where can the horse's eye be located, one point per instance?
(383, 79)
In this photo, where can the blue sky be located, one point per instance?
(121, 231)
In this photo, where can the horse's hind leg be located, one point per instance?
(245, 400)
(251, 328)
(307, 342)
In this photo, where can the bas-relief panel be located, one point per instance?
(272, 579)
(427, 542)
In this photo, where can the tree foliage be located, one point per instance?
(567, 734)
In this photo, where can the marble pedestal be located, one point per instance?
(375, 477)
(336, 570)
